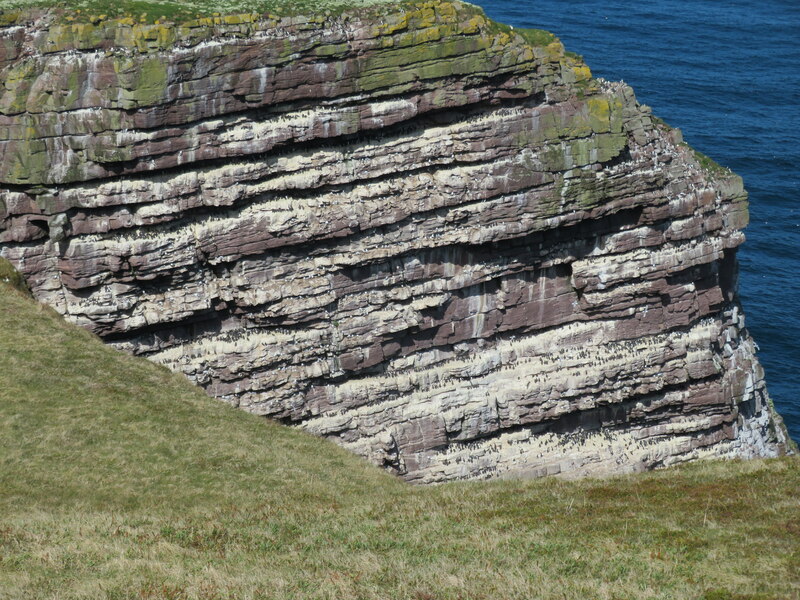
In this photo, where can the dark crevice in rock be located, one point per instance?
(729, 274)
(623, 157)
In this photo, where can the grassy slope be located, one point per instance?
(121, 480)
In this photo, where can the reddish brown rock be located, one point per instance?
(420, 234)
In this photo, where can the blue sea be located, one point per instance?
(727, 73)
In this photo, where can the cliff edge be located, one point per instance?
(430, 237)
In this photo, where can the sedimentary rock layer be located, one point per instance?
(429, 237)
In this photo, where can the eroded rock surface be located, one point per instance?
(431, 238)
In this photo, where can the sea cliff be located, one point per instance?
(430, 237)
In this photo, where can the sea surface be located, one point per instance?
(727, 73)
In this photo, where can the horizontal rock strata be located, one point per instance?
(432, 238)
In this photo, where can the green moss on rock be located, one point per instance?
(143, 82)
(605, 114)
(536, 37)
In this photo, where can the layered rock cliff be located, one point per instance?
(430, 237)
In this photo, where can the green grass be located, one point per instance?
(709, 164)
(181, 10)
(536, 37)
(120, 480)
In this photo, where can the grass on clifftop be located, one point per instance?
(180, 10)
(120, 480)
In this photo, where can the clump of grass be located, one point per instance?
(709, 164)
(11, 277)
(536, 37)
(120, 480)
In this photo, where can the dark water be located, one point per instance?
(728, 74)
